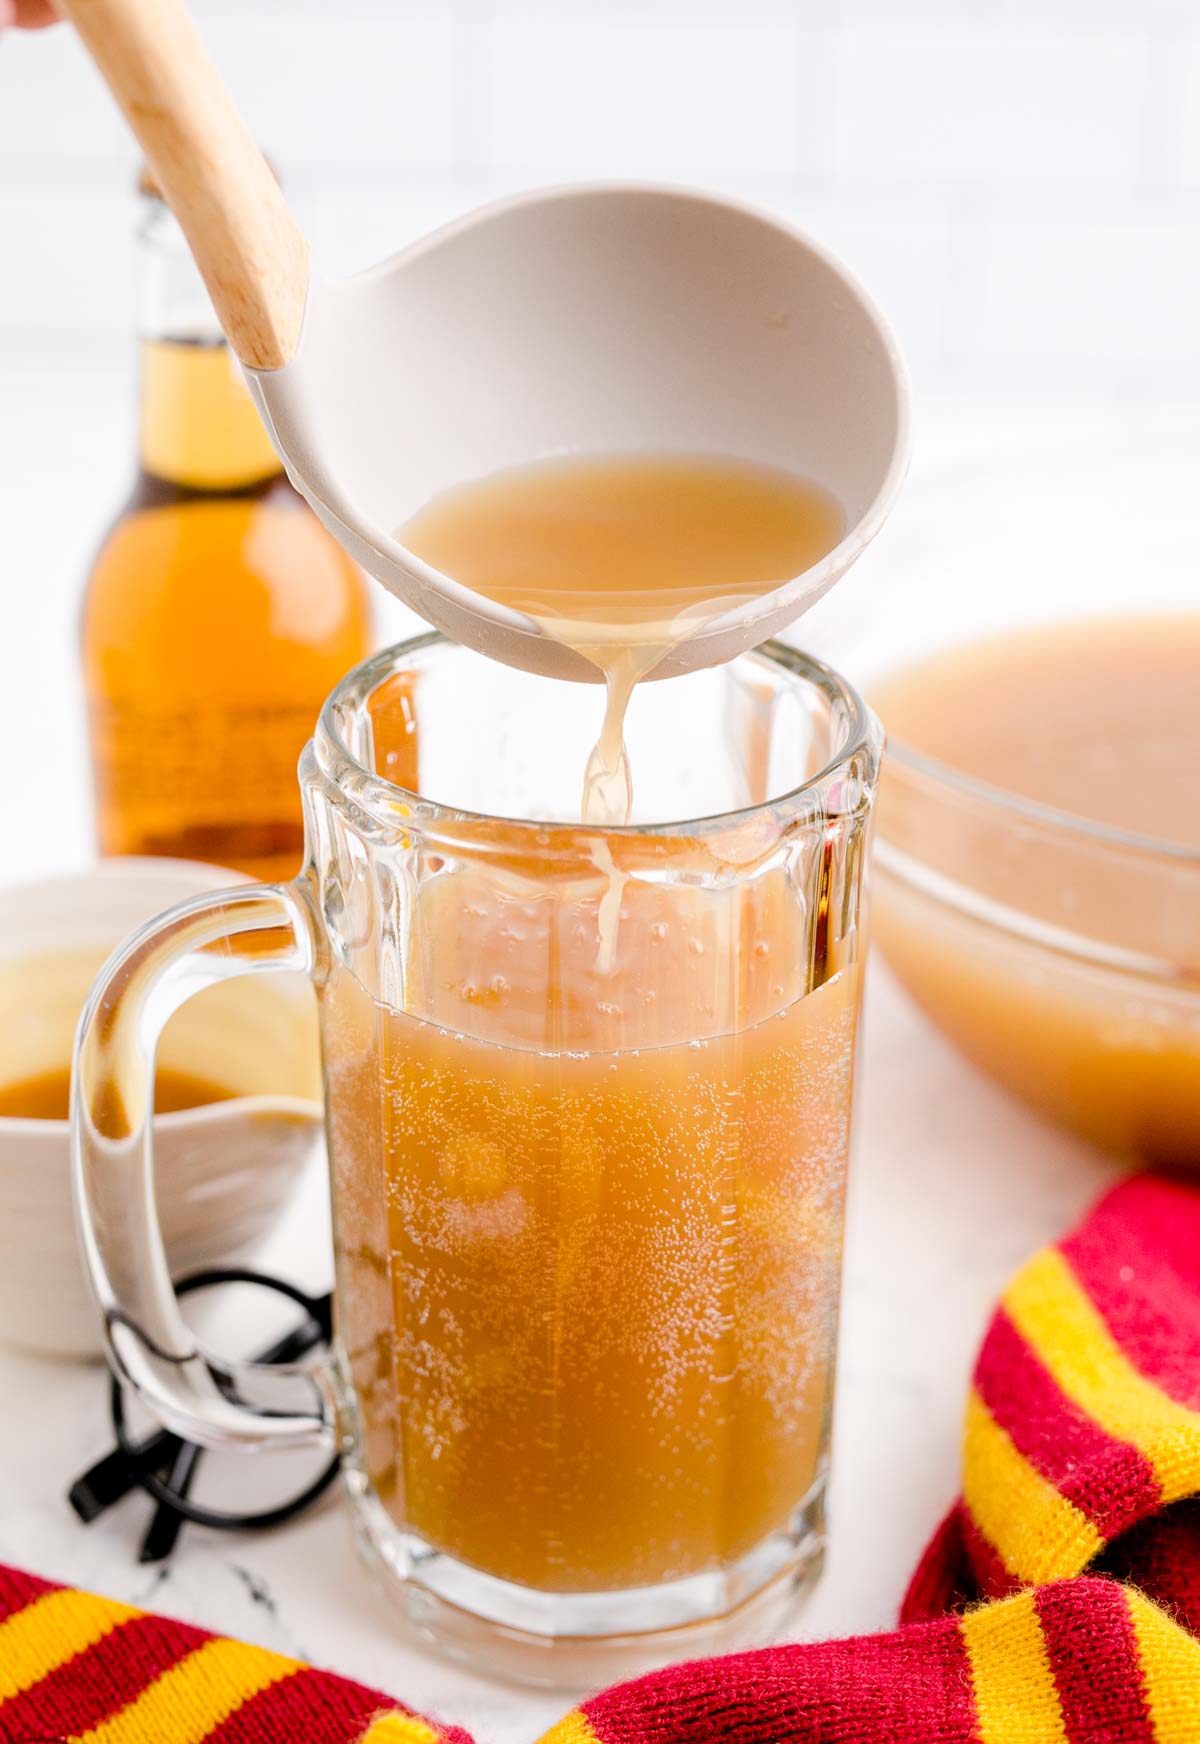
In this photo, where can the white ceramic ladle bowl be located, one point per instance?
(224, 1173)
(598, 319)
(586, 319)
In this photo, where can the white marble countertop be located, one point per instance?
(952, 1186)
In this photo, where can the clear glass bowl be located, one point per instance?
(1062, 957)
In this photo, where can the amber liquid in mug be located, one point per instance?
(622, 557)
(588, 1226)
(47, 1095)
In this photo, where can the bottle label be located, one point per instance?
(210, 785)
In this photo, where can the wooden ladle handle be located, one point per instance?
(213, 176)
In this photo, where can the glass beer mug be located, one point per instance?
(588, 1108)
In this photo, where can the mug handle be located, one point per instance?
(245, 930)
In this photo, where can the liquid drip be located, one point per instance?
(623, 557)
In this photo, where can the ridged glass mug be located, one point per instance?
(588, 1105)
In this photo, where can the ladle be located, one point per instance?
(620, 318)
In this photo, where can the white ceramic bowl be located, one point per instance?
(225, 1172)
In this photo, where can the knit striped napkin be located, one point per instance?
(1059, 1603)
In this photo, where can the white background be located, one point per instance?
(1019, 183)
(1018, 180)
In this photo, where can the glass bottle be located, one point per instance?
(218, 614)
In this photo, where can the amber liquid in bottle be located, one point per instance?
(218, 614)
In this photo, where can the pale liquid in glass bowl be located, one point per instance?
(1045, 911)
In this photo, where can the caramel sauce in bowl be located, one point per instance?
(225, 1168)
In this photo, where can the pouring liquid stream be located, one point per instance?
(622, 558)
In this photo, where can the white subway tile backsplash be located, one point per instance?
(55, 112)
(626, 93)
(68, 263)
(1077, 290)
(1016, 181)
(1183, 119)
(338, 93)
(953, 18)
(345, 93)
(986, 105)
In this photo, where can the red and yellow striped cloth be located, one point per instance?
(1059, 1603)
(92, 1671)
